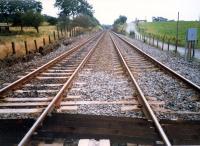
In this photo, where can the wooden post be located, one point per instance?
(176, 46)
(49, 39)
(36, 48)
(70, 33)
(58, 32)
(153, 40)
(149, 40)
(44, 43)
(168, 44)
(54, 35)
(74, 31)
(65, 30)
(61, 32)
(163, 42)
(13, 48)
(26, 48)
(157, 43)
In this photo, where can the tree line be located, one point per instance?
(28, 13)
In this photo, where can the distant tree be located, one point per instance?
(118, 25)
(51, 20)
(33, 19)
(74, 7)
(120, 20)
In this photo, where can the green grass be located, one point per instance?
(168, 29)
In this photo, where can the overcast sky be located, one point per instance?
(106, 11)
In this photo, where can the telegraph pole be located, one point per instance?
(177, 29)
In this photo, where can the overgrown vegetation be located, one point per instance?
(168, 30)
(119, 25)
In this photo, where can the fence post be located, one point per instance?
(13, 48)
(70, 33)
(157, 43)
(61, 32)
(153, 40)
(26, 48)
(163, 42)
(176, 46)
(168, 44)
(149, 39)
(54, 35)
(49, 39)
(65, 31)
(58, 32)
(44, 43)
(74, 31)
(36, 48)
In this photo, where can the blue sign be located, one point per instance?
(191, 34)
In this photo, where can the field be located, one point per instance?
(18, 37)
(168, 29)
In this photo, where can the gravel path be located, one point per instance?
(102, 84)
(176, 95)
(9, 74)
(190, 70)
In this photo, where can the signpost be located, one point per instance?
(191, 38)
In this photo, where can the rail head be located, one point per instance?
(143, 98)
(58, 96)
(161, 65)
(34, 73)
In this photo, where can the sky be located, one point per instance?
(106, 11)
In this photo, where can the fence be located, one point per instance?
(31, 45)
(158, 41)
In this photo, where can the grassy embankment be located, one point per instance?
(168, 29)
(18, 37)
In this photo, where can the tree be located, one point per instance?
(74, 7)
(12, 10)
(85, 21)
(119, 24)
(121, 20)
(33, 19)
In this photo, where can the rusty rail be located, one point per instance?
(142, 99)
(57, 97)
(34, 73)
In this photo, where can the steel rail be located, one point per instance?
(34, 73)
(161, 65)
(143, 98)
(58, 96)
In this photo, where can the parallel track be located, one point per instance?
(138, 64)
(142, 99)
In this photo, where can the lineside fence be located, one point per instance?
(161, 42)
(33, 45)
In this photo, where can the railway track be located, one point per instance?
(142, 99)
(157, 80)
(138, 62)
(61, 84)
(44, 87)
